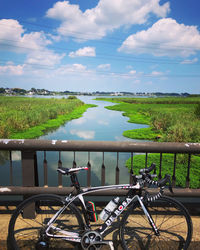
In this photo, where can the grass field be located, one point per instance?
(169, 119)
(167, 167)
(27, 118)
(174, 119)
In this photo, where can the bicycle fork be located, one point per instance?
(149, 217)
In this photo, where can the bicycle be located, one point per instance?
(48, 221)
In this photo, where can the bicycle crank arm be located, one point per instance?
(103, 242)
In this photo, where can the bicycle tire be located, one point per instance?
(170, 217)
(26, 230)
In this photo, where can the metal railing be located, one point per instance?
(29, 162)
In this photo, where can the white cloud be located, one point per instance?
(45, 58)
(156, 73)
(104, 66)
(132, 72)
(106, 16)
(85, 134)
(165, 38)
(13, 35)
(190, 61)
(33, 45)
(86, 51)
(12, 69)
(72, 68)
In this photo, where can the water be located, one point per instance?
(97, 124)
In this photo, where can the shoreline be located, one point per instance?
(135, 117)
(42, 129)
(169, 119)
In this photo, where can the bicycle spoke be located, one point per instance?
(172, 223)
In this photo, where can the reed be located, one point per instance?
(173, 119)
(23, 117)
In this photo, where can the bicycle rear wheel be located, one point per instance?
(170, 217)
(28, 223)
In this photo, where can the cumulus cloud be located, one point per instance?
(106, 16)
(12, 69)
(104, 66)
(45, 58)
(72, 68)
(165, 38)
(13, 35)
(33, 45)
(86, 51)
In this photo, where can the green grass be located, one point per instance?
(174, 119)
(26, 118)
(167, 167)
(141, 133)
(157, 100)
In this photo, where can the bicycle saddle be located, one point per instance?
(67, 171)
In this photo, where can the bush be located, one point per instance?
(162, 121)
(72, 97)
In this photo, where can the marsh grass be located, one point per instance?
(23, 117)
(169, 119)
(173, 119)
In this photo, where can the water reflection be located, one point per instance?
(97, 124)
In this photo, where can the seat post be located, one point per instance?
(75, 182)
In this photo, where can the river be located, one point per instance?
(98, 124)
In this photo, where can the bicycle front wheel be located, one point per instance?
(171, 219)
(29, 222)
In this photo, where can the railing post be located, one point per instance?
(11, 168)
(45, 170)
(89, 171)
(29, 169)
(117, 170)
(188, 172)
(103, 170)
(59, 174)
(29, 178)
(131, 171)
(174, 172)
(160, 168)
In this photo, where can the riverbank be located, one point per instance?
(28, 118)
(170, 119)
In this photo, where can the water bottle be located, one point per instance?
(110, 207)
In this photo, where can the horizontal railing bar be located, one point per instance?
(99, 146)
(17, 190)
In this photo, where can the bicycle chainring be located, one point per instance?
(89, 240)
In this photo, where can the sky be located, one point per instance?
(101, 45)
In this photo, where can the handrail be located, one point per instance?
(30, 173)
(99, 146)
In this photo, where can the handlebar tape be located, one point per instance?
(149, 169)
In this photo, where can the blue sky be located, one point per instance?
(101, 45)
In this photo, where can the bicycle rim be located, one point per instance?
(171, 219)
(28, 223)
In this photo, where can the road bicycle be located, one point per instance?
(139, 220)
